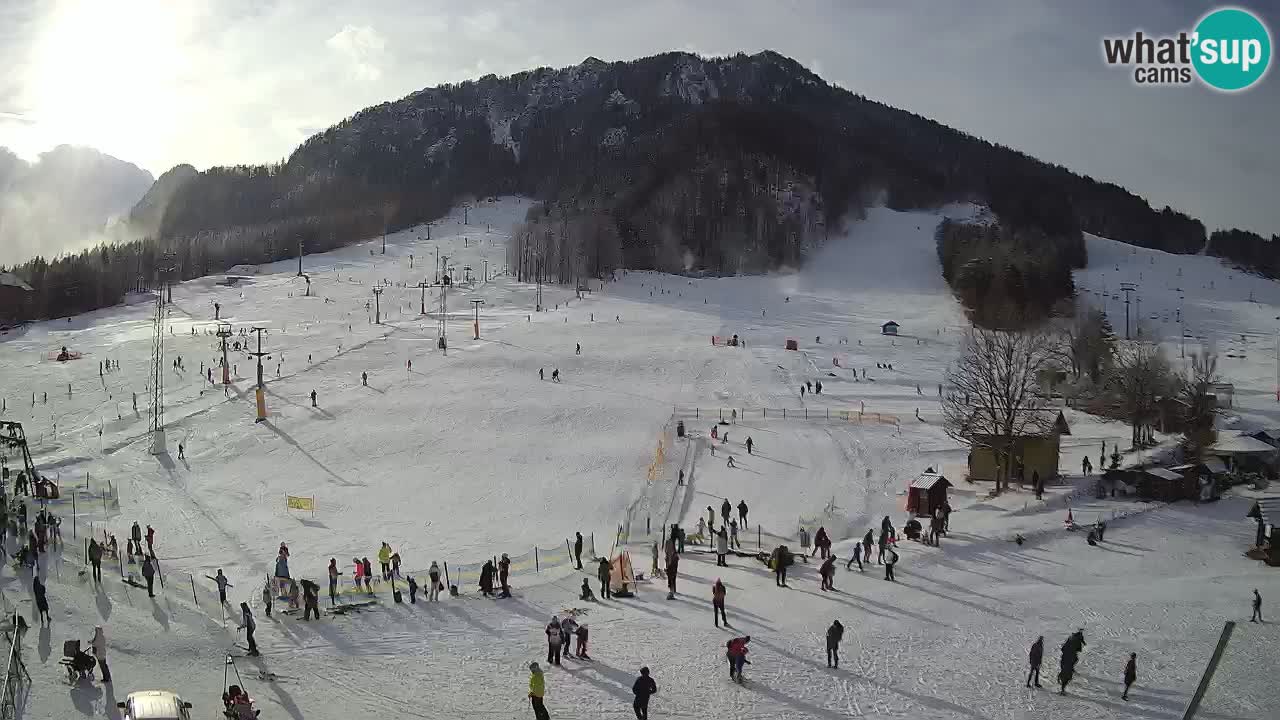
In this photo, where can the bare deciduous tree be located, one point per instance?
(993, 398)
(1197, 393)
(1139, 377)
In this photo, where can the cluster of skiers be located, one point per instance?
(1071, 650)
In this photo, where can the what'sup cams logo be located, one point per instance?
(1229, 50)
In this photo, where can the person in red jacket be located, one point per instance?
(737, 654)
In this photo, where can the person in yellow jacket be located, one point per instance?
(537, 690)
(384, 558)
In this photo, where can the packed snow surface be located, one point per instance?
(469, 454)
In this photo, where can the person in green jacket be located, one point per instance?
(537, 690)
(384, 558)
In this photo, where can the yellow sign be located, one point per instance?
(300, 503)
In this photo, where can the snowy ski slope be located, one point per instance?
(469, 455)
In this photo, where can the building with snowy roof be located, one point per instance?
(15, 298)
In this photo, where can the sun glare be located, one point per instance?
(107, 75)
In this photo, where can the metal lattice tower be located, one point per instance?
(156, 411)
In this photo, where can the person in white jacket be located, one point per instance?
(99, 644)
(722, 546)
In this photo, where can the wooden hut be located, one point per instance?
(1165, 485)
(889, 328)
(927, 492)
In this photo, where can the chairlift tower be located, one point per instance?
(260, 390)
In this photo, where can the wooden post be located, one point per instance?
(447, 583)
(758, 539)
(73, 514)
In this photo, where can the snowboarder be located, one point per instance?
(737, 654)
(504, 571)
(857, 558)
(722, 547)
(835, 634)
(553, 641)
(249, 626)
(99, 645)
(717, 603)
(602, 572)
(433, 574)
(537, 691)
(149, 574)
(1257, 607)
(42, 600)
(1035, 657)
(577, 548)
(889, 563)
(644, 687)
(1130, 674)
(742, 513)
(750, 444)
(223, 584)
(582, 634)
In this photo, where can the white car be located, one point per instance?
(155, 705)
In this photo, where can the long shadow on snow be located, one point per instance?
(338, 479)
(926, 700)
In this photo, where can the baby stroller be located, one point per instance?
(79, 663)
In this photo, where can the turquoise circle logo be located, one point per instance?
(1232, 49)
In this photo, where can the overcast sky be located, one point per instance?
(244, 81)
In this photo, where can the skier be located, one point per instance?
(817, 387)
(553, 641)
(182, 451)
(883, 544)
(582, 634)
(717, 603)
(1035, 657)
(486, 580)
(99, 645)
(856, 557)
(310, 599)
(644, 687)
(578, 349)
(223, 584)
(151, 541)
(577, 548)
(730, 463)
(149, 574)
(537, 691)
(602, 572)
(1257, 607)
(313, 399)
(889, 563)
(779, 560)
(722, 547)
(249, 626)
(542, 374)
(358, 571)
(267, 596)
(804, 544)
(733, 534)
(42, 600)
(1130, 674)
(433, 574)
(568, 627)
(367, 567)
(364, 379)
(673, 570)
(413, 590)
(95, 559)
(750, 444)
(822, 542)
(333, 581)
(801, 391)
(828, 572)
(504, 570)
(555, 375)
(711, 519)
(737, 654)
(835, 634)
(136, 533)
(384, 559)
(742, 513)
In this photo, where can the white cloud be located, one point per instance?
(363, 47)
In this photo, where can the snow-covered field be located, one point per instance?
(469, 454)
